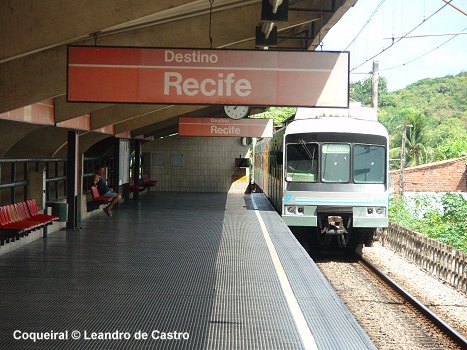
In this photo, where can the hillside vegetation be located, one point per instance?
(444, 220)
(434, 110)
(434, 113)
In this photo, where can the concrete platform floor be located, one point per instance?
(193, 267)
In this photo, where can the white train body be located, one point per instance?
(328, 172)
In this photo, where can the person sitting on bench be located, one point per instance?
(104, 190)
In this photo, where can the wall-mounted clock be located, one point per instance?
(236, 112)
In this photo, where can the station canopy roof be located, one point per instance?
(35, 35)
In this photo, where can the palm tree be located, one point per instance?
(415, 150)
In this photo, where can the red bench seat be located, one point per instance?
(134, 187)
(17, 220)
(97, 197)
(147, 182)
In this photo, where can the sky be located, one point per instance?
(396, 18)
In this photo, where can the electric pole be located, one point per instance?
(374, 85)
(401, 178)
(404, 138)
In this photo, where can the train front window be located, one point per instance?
(369, 164)
(335, 162)
(302, 162)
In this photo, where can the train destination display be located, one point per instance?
(210, 76)
(225, 127)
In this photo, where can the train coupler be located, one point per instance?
(335, 226)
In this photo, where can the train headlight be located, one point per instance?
(290, 210)
(369, 211)
(380, 211)
(301, 210)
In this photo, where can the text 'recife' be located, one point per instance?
(189, 76)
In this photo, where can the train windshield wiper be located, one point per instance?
(307, 151)
(301, 161)
(310, 155)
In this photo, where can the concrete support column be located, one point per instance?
(72, 179)
(116, 168)
(136, 167)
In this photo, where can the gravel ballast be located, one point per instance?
(447, 302)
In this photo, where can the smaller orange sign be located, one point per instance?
(225, 127)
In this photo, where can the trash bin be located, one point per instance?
(60, 209)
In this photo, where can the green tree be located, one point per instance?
(415, 150)
(278, 114)
(448, 138)
(361, 91)
(438, 110)
(448, 225)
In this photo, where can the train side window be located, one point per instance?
(369, 164)
(302, 162)
(335, 162)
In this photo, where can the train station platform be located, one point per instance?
(173, 271)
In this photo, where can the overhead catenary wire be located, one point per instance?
(427, 35)
(402, 37)
(426, 53)
(366, 23)
(455, 7)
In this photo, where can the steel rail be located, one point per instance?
(430, 315)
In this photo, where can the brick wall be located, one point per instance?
(444, 176)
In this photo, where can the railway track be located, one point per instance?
(437, 321)
(392, 317)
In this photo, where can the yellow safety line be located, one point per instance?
(297, 314)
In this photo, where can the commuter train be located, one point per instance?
(326, 173)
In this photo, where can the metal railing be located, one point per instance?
(15, 178)
(18, 176)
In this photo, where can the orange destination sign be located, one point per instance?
(192, 76)
(245, 127)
